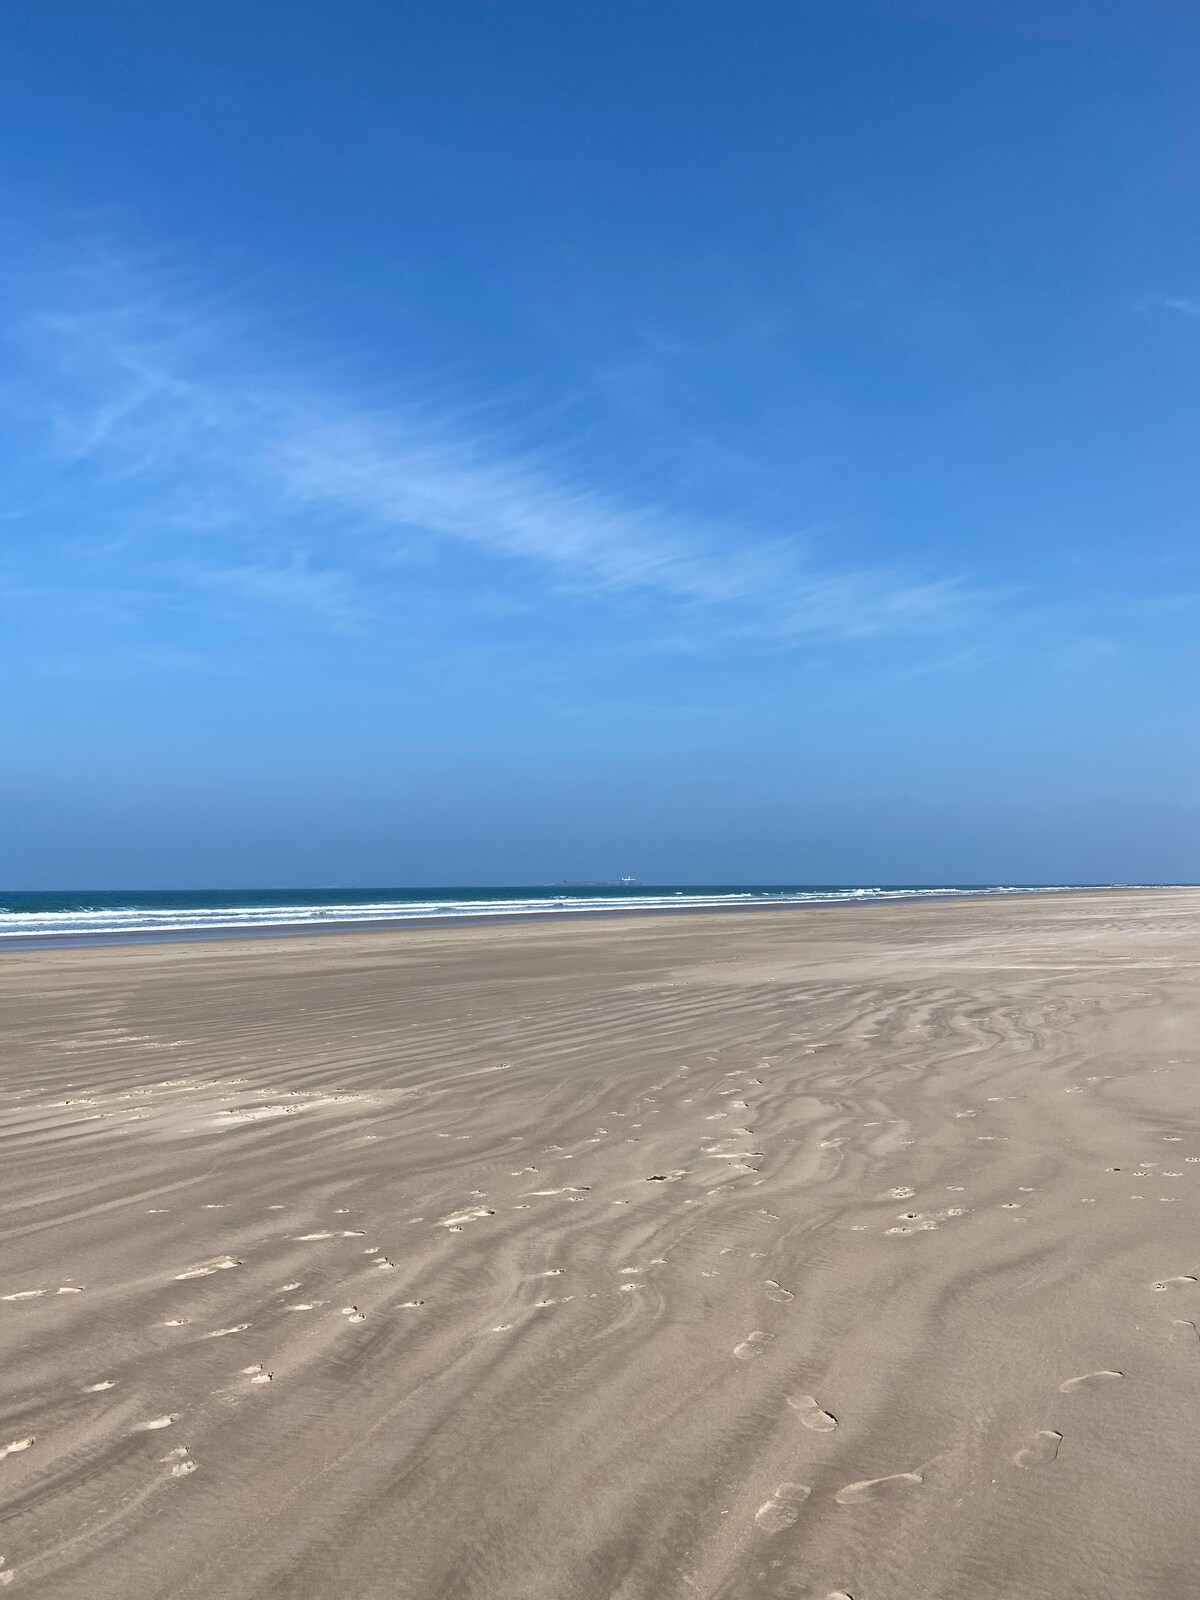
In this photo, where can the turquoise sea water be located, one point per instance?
(115, 914)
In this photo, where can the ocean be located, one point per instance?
(117, 915)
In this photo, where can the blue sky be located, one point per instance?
(501, 442)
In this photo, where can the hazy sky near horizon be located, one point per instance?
(498, 442)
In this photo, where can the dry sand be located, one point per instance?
(801, 1253)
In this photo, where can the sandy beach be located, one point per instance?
(808, 1254)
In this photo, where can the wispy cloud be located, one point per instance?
(404, 473)
(1183, 305)
(327, 596)
(167, 395)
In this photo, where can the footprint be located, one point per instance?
(1180, 1282)
(811, 1414)
(158, 1422)
(96, 1388)
(782, 1509)
(207, 1268)
(353, 1314)
(220, 1333)
(1041, 1452)
(16, 1447)
(455, 1221)
(752, 1345)
(876, 1488)
(1185, 1330)
(777, 1292)
(23, 1294)
(1087, 1378)
(183, 1469)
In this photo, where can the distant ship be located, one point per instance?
(596, 883)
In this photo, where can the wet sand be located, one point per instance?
(811, 1253)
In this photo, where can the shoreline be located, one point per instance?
(293, 930)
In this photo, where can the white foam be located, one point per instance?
(116, 922)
